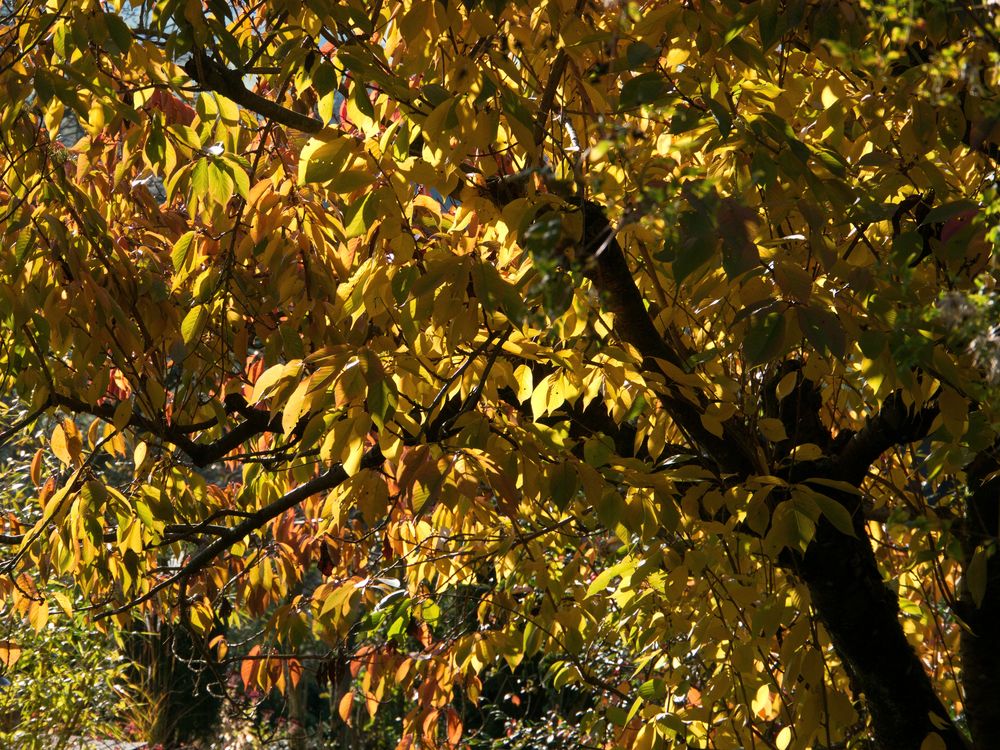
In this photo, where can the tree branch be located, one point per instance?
(606, 267)
(329, 479)
(894, 424)
(201, 454)
(217, 77)
(19, 425)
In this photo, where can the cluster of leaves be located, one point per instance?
(64, 682)
(467, 335)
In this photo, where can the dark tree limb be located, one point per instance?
(607, 268)
(213, 75)
(851, 599)
(896, 423)
(255, 423)
(978, 648)
(861, 615)
(848, 592)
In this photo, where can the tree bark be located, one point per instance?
(861, 616)
(848, 592)
(978, 649)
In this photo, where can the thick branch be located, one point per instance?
(172, 532)
(861, 614)
(858, 610)
(894, 424)
(981, 612)
(217, 77)
(607, 268)
(201, 454)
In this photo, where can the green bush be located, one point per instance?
(65, 681)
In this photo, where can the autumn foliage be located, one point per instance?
(649, 346)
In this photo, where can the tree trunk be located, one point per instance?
(862, 617)
(979, 651)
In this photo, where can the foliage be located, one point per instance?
(66, 681)
(617, 337)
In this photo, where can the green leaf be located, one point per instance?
(361, 100)
(723, 119)
(638, 54)
(654, 690)
(200, 179)
(948, 211)
(834, 511)
(360, 216)
(739, 253)
(193, 323)
(119, 32)
(322, 161)
(647, 88)
(791, 527)
(976, 574)
(562, 484)
(765, 339)
(699, 241)
(823, 329)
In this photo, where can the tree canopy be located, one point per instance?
(652, 344)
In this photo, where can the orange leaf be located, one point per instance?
(344, 707)
(454, 727)
(294, 672)
(248, 667)
(37, 464)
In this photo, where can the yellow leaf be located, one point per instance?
(524, 383)
(772, 429)
(10, 652)
(806, 452)
(66, 443)
(976, 575)
(297, 403)
(64, 602)
(784, 738)
(122, 415)
(38, 615)
(712, 424)
(540, 396)
(785, 385)
(933, 741)
(58, 444)
(270, 378)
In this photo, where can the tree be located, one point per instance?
(649, 344)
